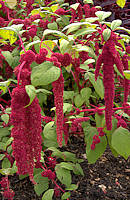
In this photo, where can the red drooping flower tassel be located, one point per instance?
(109, 57)
(26, 122)
(58, 89)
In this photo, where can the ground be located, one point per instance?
(108, 179)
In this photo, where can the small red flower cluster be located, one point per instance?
(96, 140)
(7, 192)
(48, 173)
(76, 124)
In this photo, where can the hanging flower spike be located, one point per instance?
(58, 89)
(26, 121)
(109, 57)
(26, 126)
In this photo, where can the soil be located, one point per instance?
(107, 179)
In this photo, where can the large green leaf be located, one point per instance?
(54, 32)
(102, 15)
(30, 89)
(116, 23)
(98, 85)
(5, 118)
(66, 195)
(44, 74)
(4, 132)
(42, 184)
(121, 141)
(84, 31)
(63, 175)
(48, 194)
(8, 57)
(93, 155)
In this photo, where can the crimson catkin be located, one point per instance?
(108, 58)
(26, 122)
(58, 89)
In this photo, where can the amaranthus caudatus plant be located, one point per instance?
(64, 70)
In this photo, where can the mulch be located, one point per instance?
(107, 179)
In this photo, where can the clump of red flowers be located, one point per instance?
(6, 191)
(26, 121)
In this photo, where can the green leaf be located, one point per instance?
(77, 169)
(72, 187)
(54, 32)
(44, 74)
(86, 93)
(78, 100)
(93, 155)
(6, 163)
(5, 118)
(53, 26)
(121, 3)
(68, 156)
(67, 107)
(99, 120)
(66, 195)
(89, 61)
(63, 175)
(42, 184)
(127, 74)
(76, 25)
(49, 130)
(84, 31)
(8, 57)
(88, 1)
(30, 89)
(66, 165)
(102, 15)
(5, 171)
(11, 3)
(98, 85)
(6, 33)
(121, 141)
(4, 132)
(64, 46)
(116, 23)
(2, 156)
(48, 194)
(68, 95)
(49, 135)
(44, 91)
(4, 86)
(106, 34)
(75, 6)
